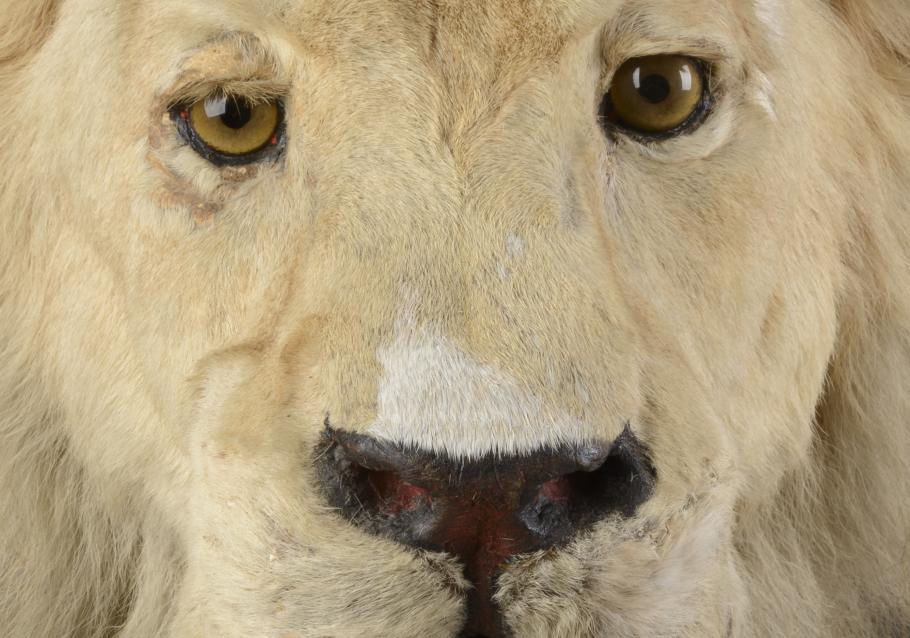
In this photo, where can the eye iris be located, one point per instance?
(655, 94)
(233, 126)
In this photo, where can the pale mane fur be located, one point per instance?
(87, 559)
(837, 539)
(71, 550)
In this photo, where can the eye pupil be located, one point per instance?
(655, 89)
(237, 114)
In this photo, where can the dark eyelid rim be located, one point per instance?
(697, 118)
(267, 152)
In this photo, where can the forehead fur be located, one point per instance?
(439, 97)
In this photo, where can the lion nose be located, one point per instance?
(482, 511)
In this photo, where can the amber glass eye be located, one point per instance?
(656, 94)
(231, 129)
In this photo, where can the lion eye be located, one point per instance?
(656, 96)
(231, 129)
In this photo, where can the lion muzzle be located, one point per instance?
(483, 511)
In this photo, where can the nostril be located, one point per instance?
(390, 493)
(618, 482)
(362, 477)
(623, 482)
(558, 490)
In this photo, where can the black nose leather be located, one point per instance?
(483, 511)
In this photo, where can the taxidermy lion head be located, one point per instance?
(454, 318)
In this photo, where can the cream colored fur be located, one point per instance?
(452, 254)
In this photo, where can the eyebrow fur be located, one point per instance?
(233, 65)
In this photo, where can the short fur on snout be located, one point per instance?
(453, 255)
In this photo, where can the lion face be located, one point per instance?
(432, 226)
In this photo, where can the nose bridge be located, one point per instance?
(465, 311)
(473, 350)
